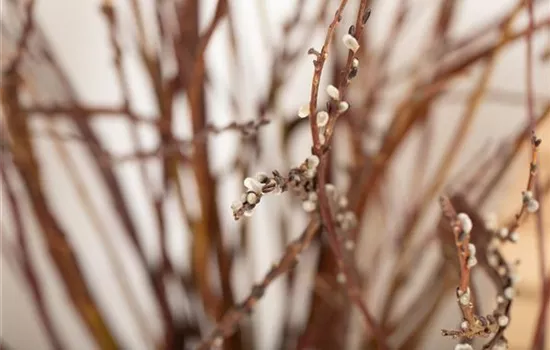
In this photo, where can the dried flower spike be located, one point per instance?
(350, 42)
(333, 92)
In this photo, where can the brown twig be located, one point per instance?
(21, 46)
(25, 260)
(60, 250)
(227, 325)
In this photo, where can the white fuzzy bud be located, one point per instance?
(464, 298)
(303, 112)
(310, 173)
(503, 232)
(503, 320)
(312, 196)
(333, 92)
(312, 162)
(500, 345)
(309, 206)
(472, 249)
(465, 222)
(341, 278)
(527, 195)
(261, 177)
(491, 222)
(218, 342)
(355, 62)
(514, 237)
(533, 206)
(509, 293)
(471, 262)
(500, 299)
(252, 198)
(322, 138)
(236, 206)
(253, 185)
(350, 42)
(350, 218)
(515, 278)
(322, 119)
(343, 106)
(465, 325)
(492, 259)
(342, 201)
(463, 347)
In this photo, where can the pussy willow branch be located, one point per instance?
(227, 325)
(318, 149)
(519, 217)
(540, 342)
(462, 240)
(533, 166)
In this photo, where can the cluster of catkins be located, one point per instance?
(300, 180)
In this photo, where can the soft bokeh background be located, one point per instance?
(78, 33)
